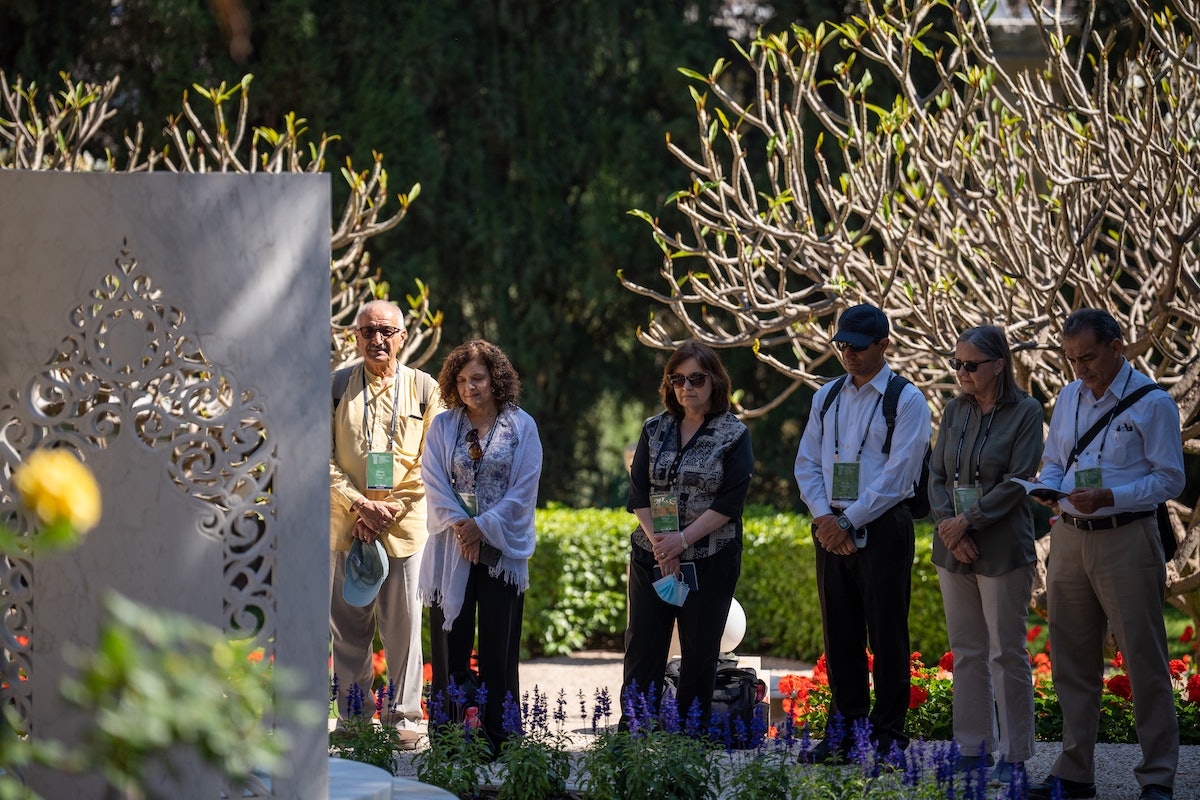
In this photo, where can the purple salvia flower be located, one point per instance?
(691, 725)
(669, 713)
(437, 710)
(583, 715)
(738, 733)
(511, 719)
(333, 688)
(456, 694)
(560, 711)
(481, 696)
(861, 752)
(758, 726)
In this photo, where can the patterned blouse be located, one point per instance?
(487, 478)
(712, 471)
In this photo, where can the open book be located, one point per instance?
(1039, 490)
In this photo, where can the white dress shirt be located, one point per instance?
(1141, 457)
(882, 482)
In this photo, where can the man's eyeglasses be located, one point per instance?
(696, 379)
(473, 448)
(854, 348)
(969, 366)
(369, 332)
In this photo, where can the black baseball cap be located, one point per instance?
(861, 325)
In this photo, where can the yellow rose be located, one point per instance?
(58, 488)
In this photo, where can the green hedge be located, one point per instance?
(576, 592)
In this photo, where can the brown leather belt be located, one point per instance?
(1104, 523)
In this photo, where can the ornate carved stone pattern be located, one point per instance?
(130, 367)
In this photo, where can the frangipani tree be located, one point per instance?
(66, 132)
(974, 195)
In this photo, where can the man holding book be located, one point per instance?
(1116, 450)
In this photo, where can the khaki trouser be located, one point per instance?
(1115, 576)
(397, 612)
(985, 618)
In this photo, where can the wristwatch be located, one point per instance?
(844, 524)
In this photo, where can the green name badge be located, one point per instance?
(664, 510)
(1088, 478)
(469, 503)
(379, 471)
(965, 497)
(845, 481)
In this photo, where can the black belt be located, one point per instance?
(1104, 523)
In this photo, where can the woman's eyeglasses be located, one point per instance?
(473, 448)
(969, 366)
(696, 379)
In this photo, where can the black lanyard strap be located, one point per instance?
(978, 451)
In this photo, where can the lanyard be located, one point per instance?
(1107, 424)
(367, 423)
(837, 412)
(483, 446)
(979, 451)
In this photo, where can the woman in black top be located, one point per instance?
(688, 484)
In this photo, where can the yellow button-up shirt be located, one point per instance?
(348, 463)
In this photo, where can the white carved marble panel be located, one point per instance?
(173, 330)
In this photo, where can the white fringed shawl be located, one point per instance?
(507, 524)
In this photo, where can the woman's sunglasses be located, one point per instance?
(473, 448)
(696, 379)
(969, 366)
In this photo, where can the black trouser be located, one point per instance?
(864, 599)
(701, 621)
(499, 609)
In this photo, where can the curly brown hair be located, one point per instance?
(710, 363)
(506, 386)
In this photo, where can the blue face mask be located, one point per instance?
(672, 590)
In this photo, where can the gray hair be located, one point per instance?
(990, 340)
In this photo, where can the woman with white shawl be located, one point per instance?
(481, 467)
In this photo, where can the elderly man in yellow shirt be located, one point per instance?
(380, 417)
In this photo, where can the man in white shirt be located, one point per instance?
(1106, 559)
(855, 493)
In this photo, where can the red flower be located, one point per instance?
(255, 656)
(379, 663)
(1188, 633)
(1193, 689)
(1177, 666)
(1118, 661)
(821, 671)
(1119, 685)
(916, 696)
(1033, 633)
(946, 662)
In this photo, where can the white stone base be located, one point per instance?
(351, 780)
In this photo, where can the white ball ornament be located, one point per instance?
(735, 627)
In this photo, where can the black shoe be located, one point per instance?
(826, 753)
(1071, 790)
(973, 763)
(1153, 791)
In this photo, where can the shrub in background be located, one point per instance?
(577, 576)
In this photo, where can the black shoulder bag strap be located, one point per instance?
(1102, 423)
(1166, 532)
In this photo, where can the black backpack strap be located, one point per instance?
(1103, 422)
(891, 402)
(837, 387)
(341, 380)
(425, 389)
